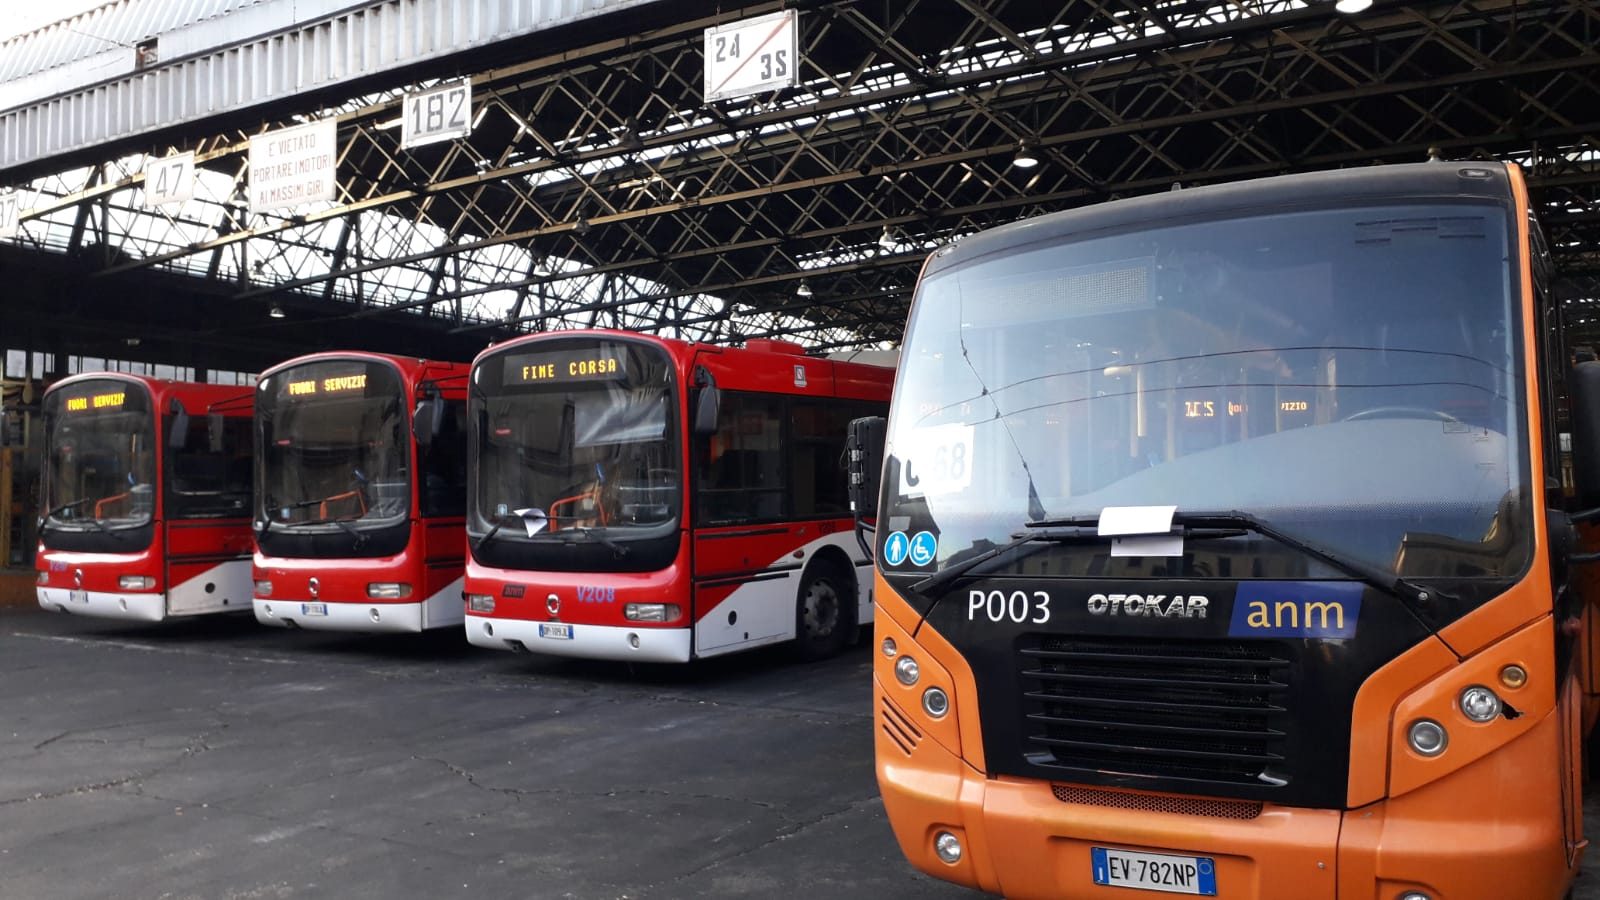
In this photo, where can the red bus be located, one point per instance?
(361, 474)
(146, 497)
(642, 499)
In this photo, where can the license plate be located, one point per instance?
(313, 609)
(78, 596)
(558, 630)
(1155, 871)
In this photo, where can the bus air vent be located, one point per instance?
(897, 725)
(1199, 710)
(1186, 806)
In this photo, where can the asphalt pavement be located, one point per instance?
(219, 759)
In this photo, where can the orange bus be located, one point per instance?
(1223, 550)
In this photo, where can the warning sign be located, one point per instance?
(293, 166)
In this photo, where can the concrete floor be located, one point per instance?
(219, 759)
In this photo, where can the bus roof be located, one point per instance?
(1457, 180)
(414, 369)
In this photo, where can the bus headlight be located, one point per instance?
(1479, 704)
(136, 582)
(480, 603)
(889, 648)
(650, 612)
(935, 702)
(388, 590)
(907, 670)
(948, 847)
(263, 589)
(1427, 737)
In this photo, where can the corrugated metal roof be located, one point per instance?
(115, 24)
(81, 82)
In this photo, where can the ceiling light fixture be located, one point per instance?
(1025, 158)
(1352, 6)
(886, 241)
(804, 290)
(276, 312)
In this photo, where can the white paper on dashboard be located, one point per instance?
(1148, 545)
(1115, 520)
(533, 519)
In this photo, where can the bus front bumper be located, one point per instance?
(317, 615)
(105, 604)
(624, 643)
(1468, 835)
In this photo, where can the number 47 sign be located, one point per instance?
(752, 56)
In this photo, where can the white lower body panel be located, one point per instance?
(441, 610)
(588, 641)
(105, 604)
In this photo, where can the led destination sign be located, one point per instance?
(96, 401)
(333, 384)
(562, 366)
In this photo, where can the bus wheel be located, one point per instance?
(822, 616)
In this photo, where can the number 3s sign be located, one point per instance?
(752, 56)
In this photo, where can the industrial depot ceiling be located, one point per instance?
(599, 187)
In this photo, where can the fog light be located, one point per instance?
(935, 702)
(948, 847)
(650, 612)
(388, 590)
(633, 640)
(1479, 704)
(889, 648)
(907, 670)
(480, 603)
(1427, 737)
(1513, 676)
(1414, 895)
(136, 582)
(263, 589)
(268, 610)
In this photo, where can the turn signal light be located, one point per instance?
(1427, 737)
(480, 603)
(136, 582)
(388, 590)
(263, 589)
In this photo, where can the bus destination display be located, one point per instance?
(565, 366)
(333, 384)
(96, 401)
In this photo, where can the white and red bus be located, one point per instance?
(361, 479)
(642, 499)
(146, 497)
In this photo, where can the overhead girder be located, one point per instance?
(666, 212)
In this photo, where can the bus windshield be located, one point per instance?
(334, 446)
(101, 457)
(576, 440)
(1350, 376)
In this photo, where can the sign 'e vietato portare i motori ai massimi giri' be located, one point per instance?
(293, 166)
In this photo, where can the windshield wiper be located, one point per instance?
(616, 548)
(1045, 530)
(49, 514)
(1412, 595)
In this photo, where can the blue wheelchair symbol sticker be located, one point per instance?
(923, 548)
(895, 548)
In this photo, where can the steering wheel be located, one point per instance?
(1402, 412)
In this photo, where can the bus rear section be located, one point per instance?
(146, 498)
(361, 484)
(1217, 554)
(655, 501)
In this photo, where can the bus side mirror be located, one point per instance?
(1585, 389)
(705, 411)
(864, 451)
(427, 420)
(178, 437)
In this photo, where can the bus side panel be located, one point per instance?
(208, 566)
(745, 580)
(444, 557)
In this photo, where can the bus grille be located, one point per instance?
(1202, 710)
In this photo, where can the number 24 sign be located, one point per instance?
(752, 56)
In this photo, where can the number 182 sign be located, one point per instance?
(752, 56)
(437, 114)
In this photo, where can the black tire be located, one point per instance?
(824, 611)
